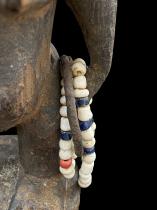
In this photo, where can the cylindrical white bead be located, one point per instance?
(63, 111)
(62, 91)
(65, 154)
(81, 93)
(84, 176)
(64, 124)
(79, 60)
(88, 134)
(85, 181)
(69, 170)
(86, 168)
(84, 113)
(80, 82)
(65, 145)
(90, 158)
(88, 144)
(78, 69)
(71, 175)
(63, 100)
(83, 185)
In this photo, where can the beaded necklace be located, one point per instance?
(87, 127)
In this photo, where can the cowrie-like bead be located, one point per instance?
(86, 168)
(71, 175)
(78, 69)
(63, 100)
(65, 154)
(62, 91)
(69, 170)
(80, 82)
(81, 93)
(83, 185)
(88, 134)
(84, 113)
(90, 158)
(89, 144)
(63, 111)
(65, 145)
(64, 124)
(79, 60)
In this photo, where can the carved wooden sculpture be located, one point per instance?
(30, 92)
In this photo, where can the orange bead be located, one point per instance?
(65, 163)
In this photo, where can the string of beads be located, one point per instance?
(87, 126)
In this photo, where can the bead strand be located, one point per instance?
(66, 152)
(87, 125)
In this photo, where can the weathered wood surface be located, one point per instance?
(23, 191)
(30, 92)
(9, 169)
(97, 19)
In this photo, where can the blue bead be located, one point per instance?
(82, 102)
(65, 135)
(89, 150)
(84, 125)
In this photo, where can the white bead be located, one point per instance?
(80, 82)
(84, 113)
(63, 100)
(74, 156)
(63, 111)
(64, 124)
(88, 134)
(84, 176)
(62, 82)
(86, 168)
(71, 175)
(85, 181)
(78, 69)
(79, 60)
(90, 158)
(93, 126)
(90, 102)
(89, 144)
(65, 154)
(84, 185)
(81, 93)
(65, 145)
(69, 170)
(62, 91)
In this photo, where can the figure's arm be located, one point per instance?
(97, 20)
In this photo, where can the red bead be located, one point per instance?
(65, 163)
